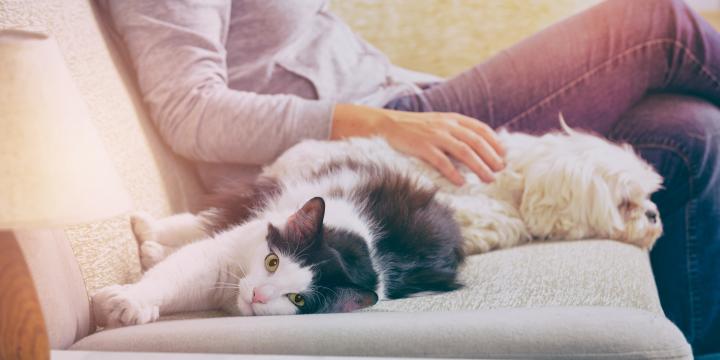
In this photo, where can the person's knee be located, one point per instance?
(696, 130)
(687, 127)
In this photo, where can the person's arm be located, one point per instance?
(178, 51)
(433, 137)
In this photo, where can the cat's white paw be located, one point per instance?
(117, 305)
(151, 253)
(146, 234)
(142, 227)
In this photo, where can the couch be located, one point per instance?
(574, 299)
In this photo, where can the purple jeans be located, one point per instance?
(604, 69)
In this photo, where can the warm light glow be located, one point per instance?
(53, 167)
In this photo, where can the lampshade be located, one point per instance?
(54, 169)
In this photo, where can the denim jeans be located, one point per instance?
(604, 69)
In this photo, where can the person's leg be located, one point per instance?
(592, 67)
(680, 136)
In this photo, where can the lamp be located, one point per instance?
(53, 172)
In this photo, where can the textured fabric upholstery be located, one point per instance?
(549, 333)
(157, 180)
(564, 299)
(613, 279)
(575, 273)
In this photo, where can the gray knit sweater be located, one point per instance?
(238, 82)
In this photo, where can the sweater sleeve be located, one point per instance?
(177, 48)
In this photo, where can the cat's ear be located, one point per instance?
(349, 299)
(307, 222)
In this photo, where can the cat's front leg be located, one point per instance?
(186, 281)
(158, 238)
(120, 305)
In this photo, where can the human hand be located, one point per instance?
(431, 137)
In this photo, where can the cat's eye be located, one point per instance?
(272, 262)
(296, 299)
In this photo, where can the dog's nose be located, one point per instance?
(652, 215)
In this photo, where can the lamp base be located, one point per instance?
(22, 329)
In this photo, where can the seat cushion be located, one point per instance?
(562, 299)
(569, 273)
(549, 332)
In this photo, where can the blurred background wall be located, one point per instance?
(445, 37)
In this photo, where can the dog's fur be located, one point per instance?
(564, 185)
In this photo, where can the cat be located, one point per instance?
(394, 227)
(335, 240)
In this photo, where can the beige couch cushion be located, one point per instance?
(564, 299)
(539, 333)
(573, 273)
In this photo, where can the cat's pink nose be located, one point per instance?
(262, 294)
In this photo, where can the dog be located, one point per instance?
(564, 185)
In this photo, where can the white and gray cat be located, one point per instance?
(334, 226)
(336, 240)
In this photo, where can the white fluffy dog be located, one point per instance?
(566, 185)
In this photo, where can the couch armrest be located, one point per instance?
(22, 333)
(61, 289)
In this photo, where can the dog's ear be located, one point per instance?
(568, 199)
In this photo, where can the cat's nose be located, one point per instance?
(262, 294)
(258, 298)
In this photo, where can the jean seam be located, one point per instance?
(704, 69)
(692, 268)
(690, 258)
(486, 85)
(604, 65)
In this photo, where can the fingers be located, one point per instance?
(442, 163)
(480, 146)
(468, 156)
(435, 137)
(483, 130)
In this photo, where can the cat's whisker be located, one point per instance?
(236, 287)
(325, 287)
(243, 284)
(242, 270)
(233, 289)
(294, 252)
(298, 253)
(228, 272)
(240, 279)
(324, 297)
(224, 287)
(320, 294)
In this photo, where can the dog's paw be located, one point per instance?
(117, 305)
(151, 253)
(143, 227)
